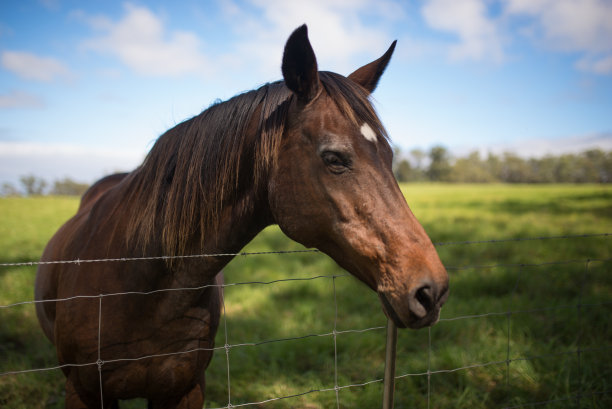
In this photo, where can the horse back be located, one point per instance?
(100, 187)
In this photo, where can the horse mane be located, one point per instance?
(212, 159)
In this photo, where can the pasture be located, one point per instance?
(527, 321)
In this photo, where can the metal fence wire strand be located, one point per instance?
(99, 362)
(226, 347)
(336, 344)
(259, 253)
(511, 311)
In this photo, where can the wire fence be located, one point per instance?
(578, 350)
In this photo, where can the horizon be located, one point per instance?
(85, 89)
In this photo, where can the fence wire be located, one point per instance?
(336, 388)
(260, 253)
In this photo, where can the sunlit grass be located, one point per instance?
(522, 350)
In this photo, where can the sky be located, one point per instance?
(86, 87)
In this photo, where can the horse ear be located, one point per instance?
(368, 75)
(300, 66)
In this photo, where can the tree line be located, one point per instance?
(31, 185)
(435, 165)
(438, 165)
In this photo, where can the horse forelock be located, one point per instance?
(206, 162)
(353, 101)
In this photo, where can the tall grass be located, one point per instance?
(540, 330)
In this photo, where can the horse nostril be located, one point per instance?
(425, 297)
(423, 301)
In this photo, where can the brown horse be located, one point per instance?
(308, 153)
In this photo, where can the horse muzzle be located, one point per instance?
(420, 308)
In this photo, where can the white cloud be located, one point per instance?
(583, 26)
(142, 42)
(50, 4)
(20, 99)
(479, 36)
(56, 161)
(573, 26)
(337, 31)
(33, 67)
(537, 148)
(596, 64)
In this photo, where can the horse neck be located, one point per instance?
(237, 225)
(228, 206)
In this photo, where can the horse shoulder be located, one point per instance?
(61, 248)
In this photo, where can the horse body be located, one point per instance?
(131, 326)
(308, 154)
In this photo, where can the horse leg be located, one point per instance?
(194, 399)
(73, 399)
(76, 401)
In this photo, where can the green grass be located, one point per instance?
(496, 360)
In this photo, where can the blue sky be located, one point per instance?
(87, 87)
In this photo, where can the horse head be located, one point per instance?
(332, 187)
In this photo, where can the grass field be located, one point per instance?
(528, 322)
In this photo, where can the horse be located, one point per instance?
(307, 153)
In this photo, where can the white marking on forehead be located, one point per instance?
(368, 133)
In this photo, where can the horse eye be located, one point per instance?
(335, 161)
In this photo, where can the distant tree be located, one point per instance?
(403, 171)
(397, 158)
(544, 170)
(596, 166)
(404, 168)
(8, 190)
(439, 169)
(591, 166)
(515, 169)
(417, 163)
(493, 164)
(418, 157)
(68, 187)
(565, 169)
(607, 168)
(33, 185)
(471, 169)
